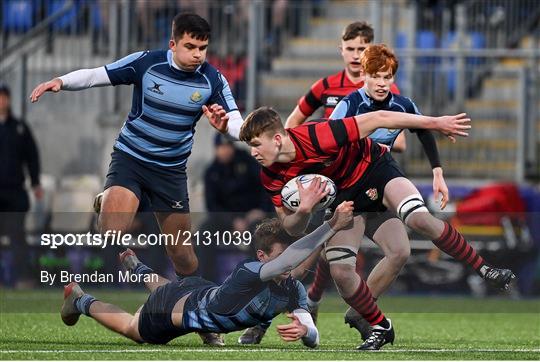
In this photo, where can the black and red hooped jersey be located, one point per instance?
(330, 148)
(328, 92)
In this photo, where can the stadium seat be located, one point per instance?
(400, 42)
(18, 15)
(426, 39)
(477, 41)
(69, 20)
(449, 42)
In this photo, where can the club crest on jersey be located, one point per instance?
(372, 194)
(155, 88)
(196, 97)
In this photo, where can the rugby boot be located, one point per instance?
(69, 313)
(356, 321)
(378, 337)
(212, 339)
(252, 335)
(499, 278)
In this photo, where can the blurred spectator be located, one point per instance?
(235, 199)
(232, 183)
(148, 12)
(18, 153)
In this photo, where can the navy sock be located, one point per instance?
(83, 303)
(142, 269)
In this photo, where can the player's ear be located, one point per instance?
(278, 139)
(172, 45)
(260, 255)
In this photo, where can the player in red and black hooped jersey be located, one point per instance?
(376, 178)
(327, 92)
(327, 148)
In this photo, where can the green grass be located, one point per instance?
(426, 328)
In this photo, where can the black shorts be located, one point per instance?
(368, 192)
(166, 187)
(374, 220)
(155, 320)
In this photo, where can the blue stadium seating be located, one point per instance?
(69, 20)
(18, 15)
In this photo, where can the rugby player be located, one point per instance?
(171, 90)
(254, 293)
(364, 172)
(379, 66)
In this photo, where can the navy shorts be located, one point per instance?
(165, 187)
(155, 320)
(368, 192)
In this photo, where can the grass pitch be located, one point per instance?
(426, 329)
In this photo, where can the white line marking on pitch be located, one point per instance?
(203, 350)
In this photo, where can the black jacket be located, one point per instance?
(18, 151)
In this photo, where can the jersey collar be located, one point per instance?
(376, 104)
(175, 66)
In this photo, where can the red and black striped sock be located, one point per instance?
(453, 244)
(362, 302)
(321, 280)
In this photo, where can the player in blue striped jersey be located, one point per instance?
(254, 293)
(171, 90)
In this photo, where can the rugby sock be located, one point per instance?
(362, 302)
(320, 282)
(83, 303)
(453, 244)
(142, 269)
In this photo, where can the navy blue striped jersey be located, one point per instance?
(167, 103)
(358, 102)
(243, 300)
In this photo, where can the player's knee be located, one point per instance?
(420, 222)
(399, 256)
(414, 213)
(113, 222)
(185, 261)
(341, 273)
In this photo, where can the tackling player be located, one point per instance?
(255, 292)
(171, 90)
(363, 172)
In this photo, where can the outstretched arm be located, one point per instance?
(296, 118)
(456, 125)
(77, 80)
(302, 326)
(430, 149)
(302, 248)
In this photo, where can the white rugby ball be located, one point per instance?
(291, 197)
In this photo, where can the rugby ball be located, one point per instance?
(291, 197)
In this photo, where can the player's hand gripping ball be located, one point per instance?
(291, 196)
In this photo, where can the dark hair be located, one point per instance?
(4, 89)
(270, 232)
(259, 121)
(356, 29)
(191, 24)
